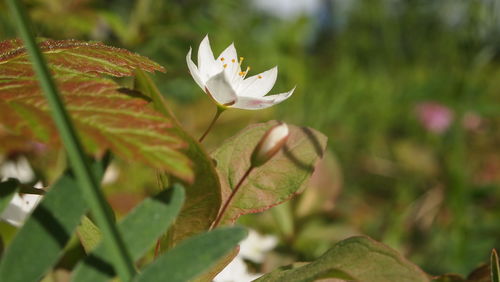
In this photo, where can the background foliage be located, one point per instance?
(361, 69)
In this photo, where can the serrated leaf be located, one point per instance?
(495, 266)
(283, 176)
(203, 196)
(106, 116)
(357, 258)
(193, 256)
(140, 229)
(41, 240)
(8, 189)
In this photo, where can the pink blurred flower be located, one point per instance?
(434, 116)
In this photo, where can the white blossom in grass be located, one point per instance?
(21, 205)
(224, 81)
(272, 141)
(252, 248)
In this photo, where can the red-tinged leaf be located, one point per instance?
(106, 116)
(79, 56)
(282, 177)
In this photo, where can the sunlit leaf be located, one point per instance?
(41, 240)
(203, 196)
(106, 116)
(356, 258)
(285, 175)
(140, 229)
(193, 256)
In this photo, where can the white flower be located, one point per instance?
(21, 205)
(224, 81)
(253, 248)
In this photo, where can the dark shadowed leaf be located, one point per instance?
(140, 229)
(203, 196)
(282, 177)
(356, 258)
(193, 256)
(8, 189)
(106, 116)
(41, 240)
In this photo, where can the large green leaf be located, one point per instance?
(140, 229)
(356, 258)
(193, 256)
(107, 116)
(203, 196)
(285, 175)
(8, 189)
(39, 243)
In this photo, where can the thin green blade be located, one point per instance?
(495, 267)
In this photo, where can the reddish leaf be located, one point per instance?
(106, 116)
(285, 175)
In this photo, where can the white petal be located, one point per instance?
(229, 61)
(207, 65)
(257, 103)
(258, 85)
(194, 71)
(220, 89)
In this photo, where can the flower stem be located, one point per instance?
(235, 190)
(86, 180)
(216, 117)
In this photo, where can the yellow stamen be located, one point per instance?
(222, 59)
(225, 65)
(241, 60)
(233, 60)
(260, 76)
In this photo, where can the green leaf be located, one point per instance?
(140, 229)
(282, 177)
(356, 258)
(203, 196)
(8, 189)
(41, 240)
(106, 115)
(89, 234)
(193, 256)
(495, 266)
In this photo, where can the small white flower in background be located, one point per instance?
(272, 141)
(21, 205)
(253, 248)
(224, 81)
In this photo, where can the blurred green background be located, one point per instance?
(406, 91)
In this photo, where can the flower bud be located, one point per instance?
(270, 144)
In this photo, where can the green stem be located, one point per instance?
(216, 117)
(226, 204)
(86, 180)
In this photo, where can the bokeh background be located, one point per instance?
(406, 90)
